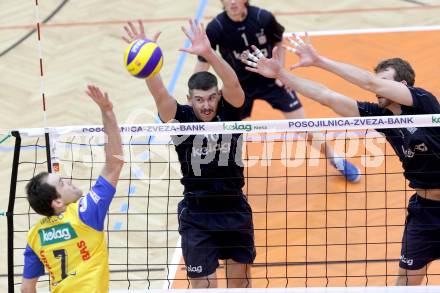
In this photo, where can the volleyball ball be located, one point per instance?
(143, 58)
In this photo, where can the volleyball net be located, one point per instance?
(312, 227)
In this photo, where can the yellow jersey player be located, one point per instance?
(69, 241)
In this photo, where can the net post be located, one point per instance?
(10, 211)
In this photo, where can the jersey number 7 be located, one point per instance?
(61, 253)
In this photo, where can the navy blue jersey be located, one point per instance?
(259, 28)
(211, 164)
(418, 148)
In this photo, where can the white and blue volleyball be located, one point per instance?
(143, 58)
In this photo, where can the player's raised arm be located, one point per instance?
(200, 46)
(395, 91)
(272, 68)
(113, 147)
(165, 103)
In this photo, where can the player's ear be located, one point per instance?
(57, 203)
(404, 82)
(189, 99)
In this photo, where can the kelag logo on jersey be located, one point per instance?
(56, 234)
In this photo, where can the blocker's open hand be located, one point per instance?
(100, 98)
(200, 44)
(134, 33)
(308, 56)
(256, 62)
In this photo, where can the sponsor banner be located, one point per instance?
(249, 126)
(354, 123)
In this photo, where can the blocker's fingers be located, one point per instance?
(196, 27)
(293, 42)
(307, 38)
(126, 40)
(250, 63)
(129, 33)
(290, 49)
(133, 28)
(252, 57)
(186, 32)
(251, 69)
(141, 27)
(193, 26)
(298, 38)
(156, 36)
(258, 53)
(95, 91)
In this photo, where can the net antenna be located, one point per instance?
(50, 149)
(48, 137)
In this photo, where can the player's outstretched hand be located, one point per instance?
(200, 44)
(99, 97)
(256, 62)
(134, 33)
(308, 56)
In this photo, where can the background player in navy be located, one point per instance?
(233, 31)
(417, 148)
(215, 219)
(70, 240)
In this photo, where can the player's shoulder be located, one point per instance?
(101, 190)
(184, 107)
(184, 113)
(105, 183)
(34, 228)
(228, 111)
(218, 22)
(424, 101)
(423, 97)
(260, 14)
(371, 109)
(420, 91)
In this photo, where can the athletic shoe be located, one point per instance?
(350, 171)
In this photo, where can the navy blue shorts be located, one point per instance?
(278, 97)
(421, 238)
(210, 233)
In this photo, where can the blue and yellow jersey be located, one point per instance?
(71, 246)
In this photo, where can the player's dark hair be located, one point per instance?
(40, 194)
(203, 80)
(247, 4)
(403, 69)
